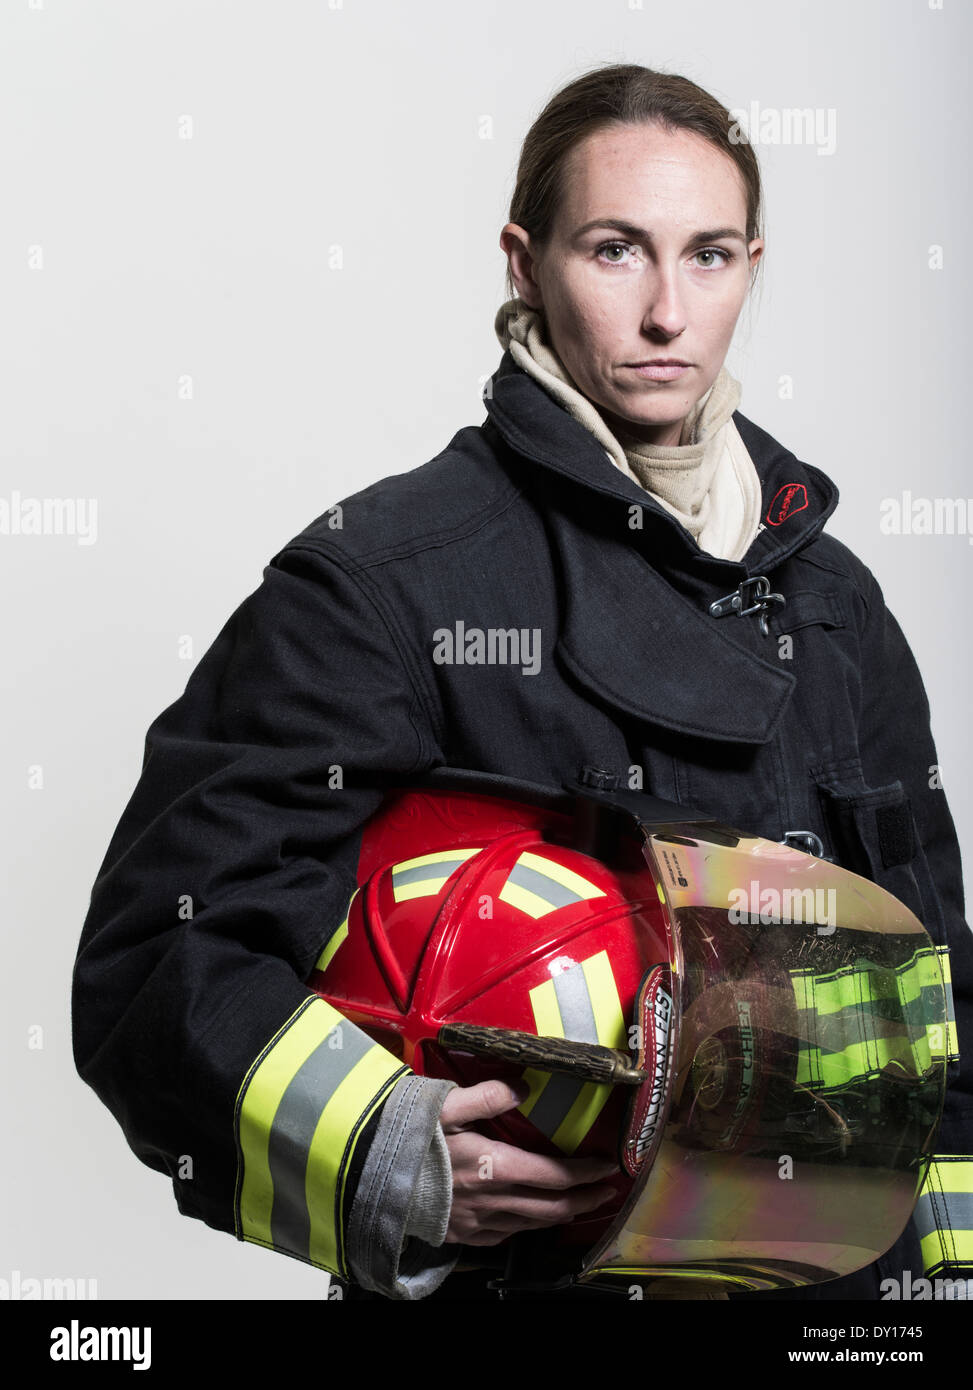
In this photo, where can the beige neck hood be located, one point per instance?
(707, 481)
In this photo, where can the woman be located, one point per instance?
(682, 621)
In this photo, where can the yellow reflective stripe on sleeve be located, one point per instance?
(952, 1041)
(946, 964)
(300, 1110)
(860, 1059)
(343, 1115)
(833, 994)
(849, 988)
(862, 1019)
(944, 1213)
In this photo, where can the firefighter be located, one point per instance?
(691, 629)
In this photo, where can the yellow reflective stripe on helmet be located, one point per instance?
(547, 1021)
(427, 875)
(944, 1213)
(538, 885)
(611, 1033)
(337, 938)
(328, 954)
(580, 1003)
(299, 1112)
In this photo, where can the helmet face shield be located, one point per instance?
(798, 1079)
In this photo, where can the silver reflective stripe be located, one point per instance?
(578, 1022)
(419, 873)
(959, 1211)
(545, 888)
(295, 1121)
(574, 1005)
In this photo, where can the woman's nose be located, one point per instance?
(665, 311)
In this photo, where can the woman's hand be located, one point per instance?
(499, 1189)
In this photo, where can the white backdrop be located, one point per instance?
(249, 264)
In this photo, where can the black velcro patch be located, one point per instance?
(896, 833)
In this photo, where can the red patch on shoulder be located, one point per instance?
(792, 497)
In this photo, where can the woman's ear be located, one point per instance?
(516, 245)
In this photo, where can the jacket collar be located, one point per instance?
(797, 498)
(636, 627)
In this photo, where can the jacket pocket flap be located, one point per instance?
(806, 607)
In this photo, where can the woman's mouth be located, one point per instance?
(660, 371)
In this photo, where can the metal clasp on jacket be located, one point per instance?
(751, 596)
(807, 842)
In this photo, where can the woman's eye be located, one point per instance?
(615, 246)
(714, 251)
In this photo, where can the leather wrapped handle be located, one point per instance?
(583, 1060)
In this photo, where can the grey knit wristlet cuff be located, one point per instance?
(433, 1202)
(398, 1221)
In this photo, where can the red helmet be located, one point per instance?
(593, 942)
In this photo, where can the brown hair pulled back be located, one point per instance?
(623, 94)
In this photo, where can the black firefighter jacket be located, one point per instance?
(366, 649)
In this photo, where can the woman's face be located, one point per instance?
(648, 260)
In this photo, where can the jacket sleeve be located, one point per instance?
(914, 834)
(232, 864)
